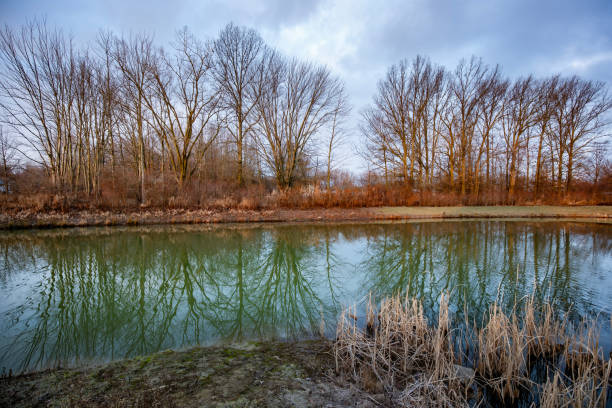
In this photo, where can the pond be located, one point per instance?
(77, 296)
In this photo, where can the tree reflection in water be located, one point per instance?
(478, 262)
(99, 294)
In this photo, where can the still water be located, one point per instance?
(77, 296)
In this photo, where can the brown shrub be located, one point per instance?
(121, 190)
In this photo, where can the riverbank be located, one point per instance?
(254, 374)
(31, 219)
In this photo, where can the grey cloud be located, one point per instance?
(161, 17)
(541, 37)
(522, 36)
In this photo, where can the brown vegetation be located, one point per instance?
(222, 196)
(532, 355)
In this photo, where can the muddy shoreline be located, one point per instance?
(90, 218)
(251, 374)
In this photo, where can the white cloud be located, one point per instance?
(585, 63)
(329, 36)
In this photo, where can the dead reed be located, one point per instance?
(401, 353)
(416, 362)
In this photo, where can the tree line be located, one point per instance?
(472, 127)
(124, 102)
(123, 112)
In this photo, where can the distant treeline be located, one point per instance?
(122, 120)
(470, 128)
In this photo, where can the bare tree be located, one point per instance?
(240, 57)
(108, 89)
(547, 95)
(580, 118)
(387, 123)
(600, 159)
(491, 107)
(37, 89)
(298, 99)
(414, 125)
(184, 104)
(92, 120)
(135, 58)
(437, 98)
(8, 162)
(449, 135)
(336, 137)
(403, 125)
(520, 115)
(467, 92)
(232, 108)
(375, 147)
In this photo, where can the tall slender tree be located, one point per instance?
(136, 56)
(239, 66)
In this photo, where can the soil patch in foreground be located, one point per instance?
(262, 374)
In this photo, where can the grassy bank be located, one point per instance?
(83, 218)
(536, 211)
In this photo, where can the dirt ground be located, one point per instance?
(246, 375)
(25, 219)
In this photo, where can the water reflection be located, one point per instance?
(484, 261)
(99, 294)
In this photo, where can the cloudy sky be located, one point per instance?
(358, 40)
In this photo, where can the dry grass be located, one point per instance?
(414, 362)
(401, 354)
(501, 354)
(124, 193)
(586, 388)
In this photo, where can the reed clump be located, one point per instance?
(529, 357)
(401, 353)
(588, 387)
(501, 358)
